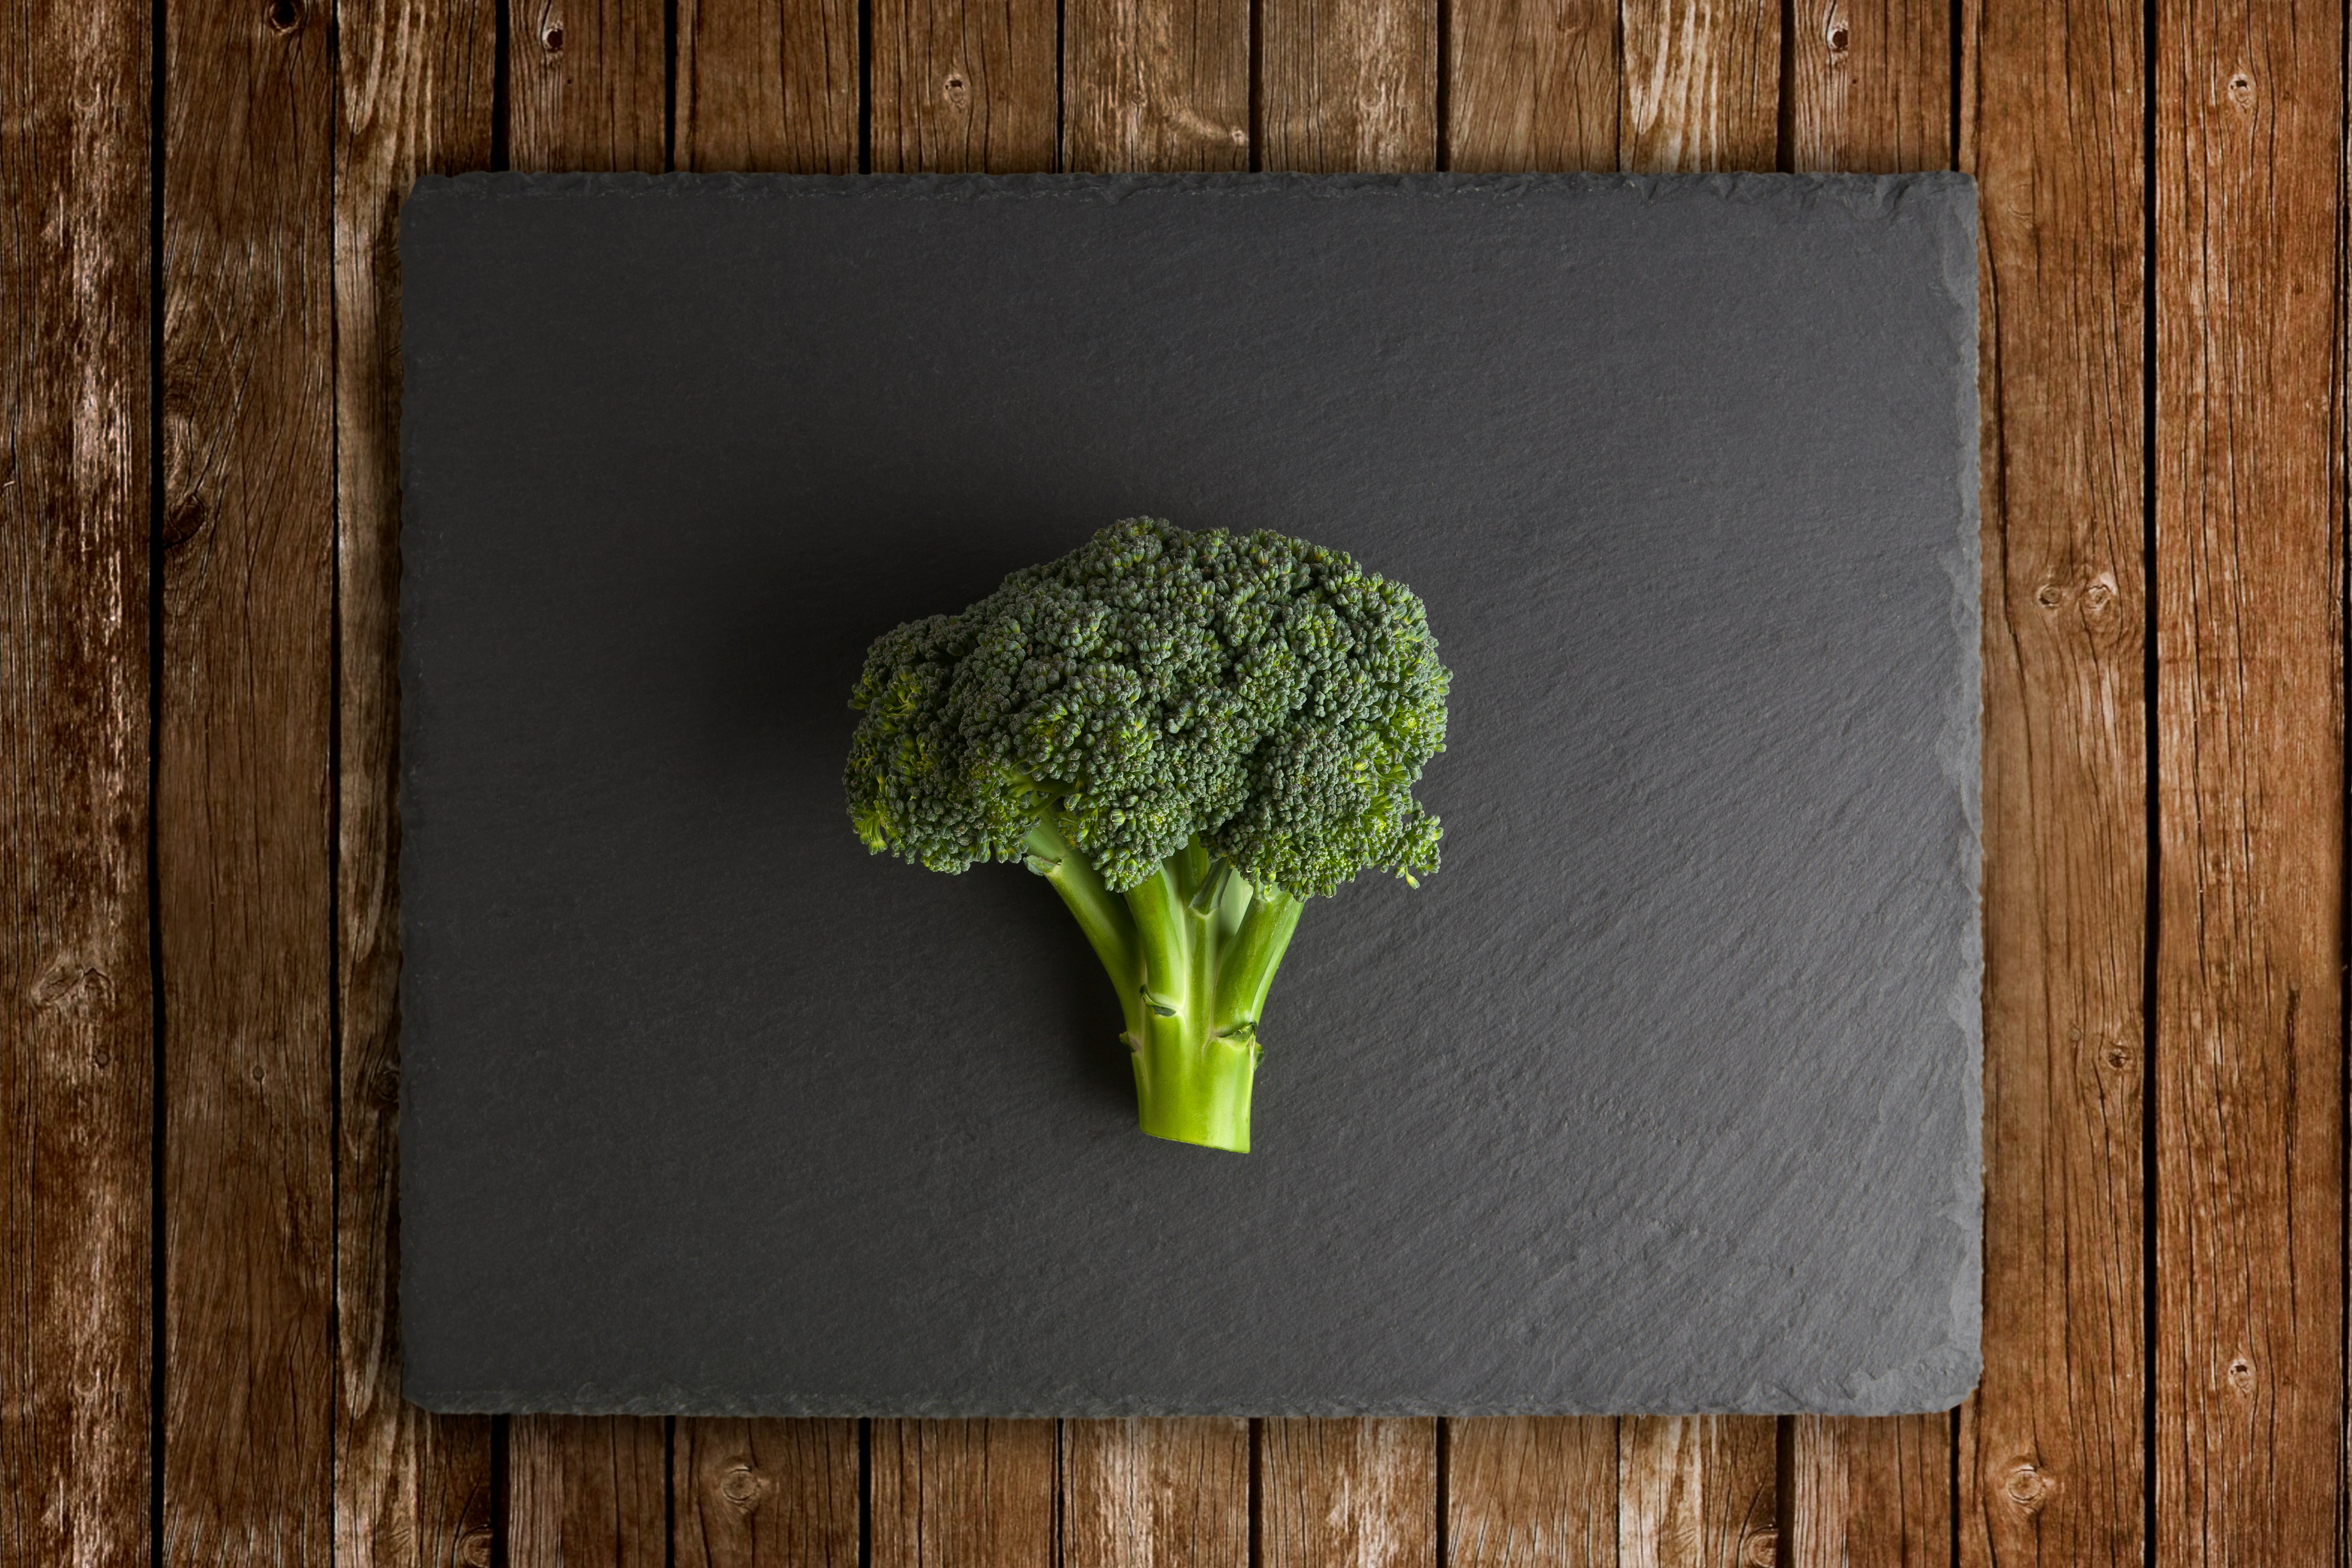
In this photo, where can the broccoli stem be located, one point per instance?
(1193, 950)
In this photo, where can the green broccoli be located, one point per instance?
(1188, 735)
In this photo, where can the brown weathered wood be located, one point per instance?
(765, 1494)
(2249, 1123)
(1531, 84)
(1870, 86)
(587, 85)
(1702, 85)
(1154, 1494)
(1358, 1493)
(2051, 1454)
(1696, 1491)
(587, 88)
(962, 1494)
(414, 83)
(1155, 84)
(1348, 84)
(244, 858)
(586, 1490)
(961, 88)
(1531, 1492)
(767, 85)
(76, 1011)
(1866, 1492)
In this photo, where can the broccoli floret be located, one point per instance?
(1188, 735)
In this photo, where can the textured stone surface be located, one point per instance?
(1663, 1095)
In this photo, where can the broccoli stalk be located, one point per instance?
(1191, 951)
(1187, 734)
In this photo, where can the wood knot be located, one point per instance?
(2050, 595)
(2028, 1487)
(285, 17)
(2242, 90)
(1761, 1550)
(551, 39)
(474, 1549)
(2117, 1057)
(183, 519)
(2099, 593)
(1837, 35)
(74, 987)
(958, 90)
(2241, 1375)
(742, 1487)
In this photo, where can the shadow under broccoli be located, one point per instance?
(1189, 735)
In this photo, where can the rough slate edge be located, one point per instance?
(1939, 1381)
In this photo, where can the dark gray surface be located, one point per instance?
(1663, 1095)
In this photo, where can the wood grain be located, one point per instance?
(1347, 85)
(586, 1490)
(1155, 84)
(1869, 1491)
(587, 85)
(243, 857)
(1696, 1491)
(1702, 85)
(962, 1494)
(1531, 84)
(2249, 1123)
(2051, 1467)
(765, 1494)
(414, 82)
(1531, 1492)
(767, 85)
(587, 90)
(1360, 1493)
(959, 89)
(1153, 1494)
(75, 1010)
(1869, 86)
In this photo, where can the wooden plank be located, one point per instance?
(2249, 1118)
(766, 1494)
(75, 1009)
(1702, 85)
(962, 1494)
(958, 88)
(1531, 1492)
(1531, 84)
(1358, 1493)
(2051, 1467)
(1870, 86)
(586, 1490)
(1155, 84)
(1140, 1494)
(1348, 84)
(587, 88)
(415, 84)
(243, 857)
(767, 85)
(1866, 1492)
(587, 85)
(1696, 1491)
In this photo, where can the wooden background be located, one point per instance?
(199, 1069)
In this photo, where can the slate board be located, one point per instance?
(1662, 1096)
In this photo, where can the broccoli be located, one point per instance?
(1188, 735)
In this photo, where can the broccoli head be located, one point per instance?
(1187, 734)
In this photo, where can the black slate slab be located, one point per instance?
(1663, 1095)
